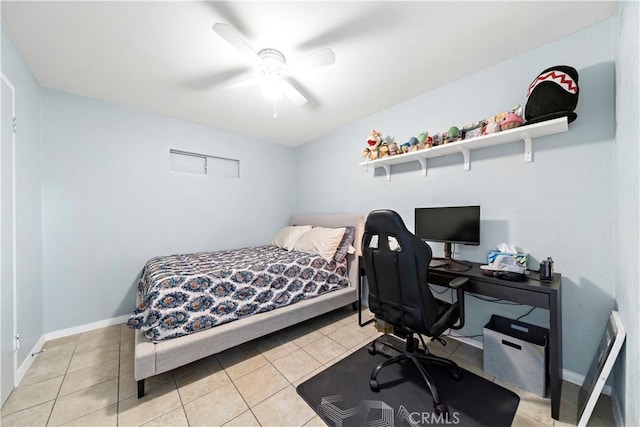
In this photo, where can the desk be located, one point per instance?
(530, 292)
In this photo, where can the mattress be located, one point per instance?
(189, 293)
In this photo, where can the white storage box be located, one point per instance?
(515, 352)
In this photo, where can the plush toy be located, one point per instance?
(405, 147)
(501, 116)
(414, 142)
(373, 145)
(370, 153)
(454, 134)
(511, 121)
(393, 145)
(492, 126)
(425, 139)
(554, 93)
(384, 150)
(375, 138)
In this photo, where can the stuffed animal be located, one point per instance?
(384, 150)
(414, 143)
(373, 145)
(511, 121)
(455, 134)
(370, 153)
(492, 126)
(425, 140)
(422, 136)
(393, 145)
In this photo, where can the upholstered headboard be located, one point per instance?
(338, 220)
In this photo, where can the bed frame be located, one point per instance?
(155, 358)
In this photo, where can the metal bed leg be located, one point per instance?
(140, 389)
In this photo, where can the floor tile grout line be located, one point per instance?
(285, 377)
(55, 402)
(267, 397)
(65, 376)
(245, 402)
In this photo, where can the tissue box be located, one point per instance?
(521, 258)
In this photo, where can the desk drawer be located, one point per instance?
(536, 299)
(509, 291)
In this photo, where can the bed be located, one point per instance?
(155, 354)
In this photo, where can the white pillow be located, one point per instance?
(288, 236)
(320, 241)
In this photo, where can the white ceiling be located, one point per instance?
(163, 56)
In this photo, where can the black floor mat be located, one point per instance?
(340, 395)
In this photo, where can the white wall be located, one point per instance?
(561, 205)
(28, 197)
(627, 207)
(110, 201)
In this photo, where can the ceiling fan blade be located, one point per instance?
(217, 80)
(319, 58)
(234, 39)
(241, 82)
(293, 94)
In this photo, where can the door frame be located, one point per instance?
(11, 87)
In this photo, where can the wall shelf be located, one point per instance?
(523, 133)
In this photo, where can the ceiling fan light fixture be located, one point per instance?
(272, 87)
(273, 72)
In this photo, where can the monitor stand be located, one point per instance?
(448, 262)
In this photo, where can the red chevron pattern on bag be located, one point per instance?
(562, 79)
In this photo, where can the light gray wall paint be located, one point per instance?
(110, 201)
(28, 197)
(561, 205)
(627, 205)
(99, 156)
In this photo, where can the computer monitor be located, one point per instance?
(449, 224)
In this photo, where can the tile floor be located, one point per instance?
(87, 380)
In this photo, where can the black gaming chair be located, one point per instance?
(397, 268)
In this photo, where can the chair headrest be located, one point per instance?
(384, 220)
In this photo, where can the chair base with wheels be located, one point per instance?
(416, 355)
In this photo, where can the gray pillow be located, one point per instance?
(347, 240)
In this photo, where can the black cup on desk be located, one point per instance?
(546, 270)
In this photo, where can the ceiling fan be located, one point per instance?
(273, 71)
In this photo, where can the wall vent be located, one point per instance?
(204, 164)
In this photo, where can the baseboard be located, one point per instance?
(567, 375)
(24, 367)
(61, 333)
(468, 341)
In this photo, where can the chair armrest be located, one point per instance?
(459, 284)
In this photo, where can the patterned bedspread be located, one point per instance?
(184, 294)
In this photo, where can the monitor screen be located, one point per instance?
(453, 224)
